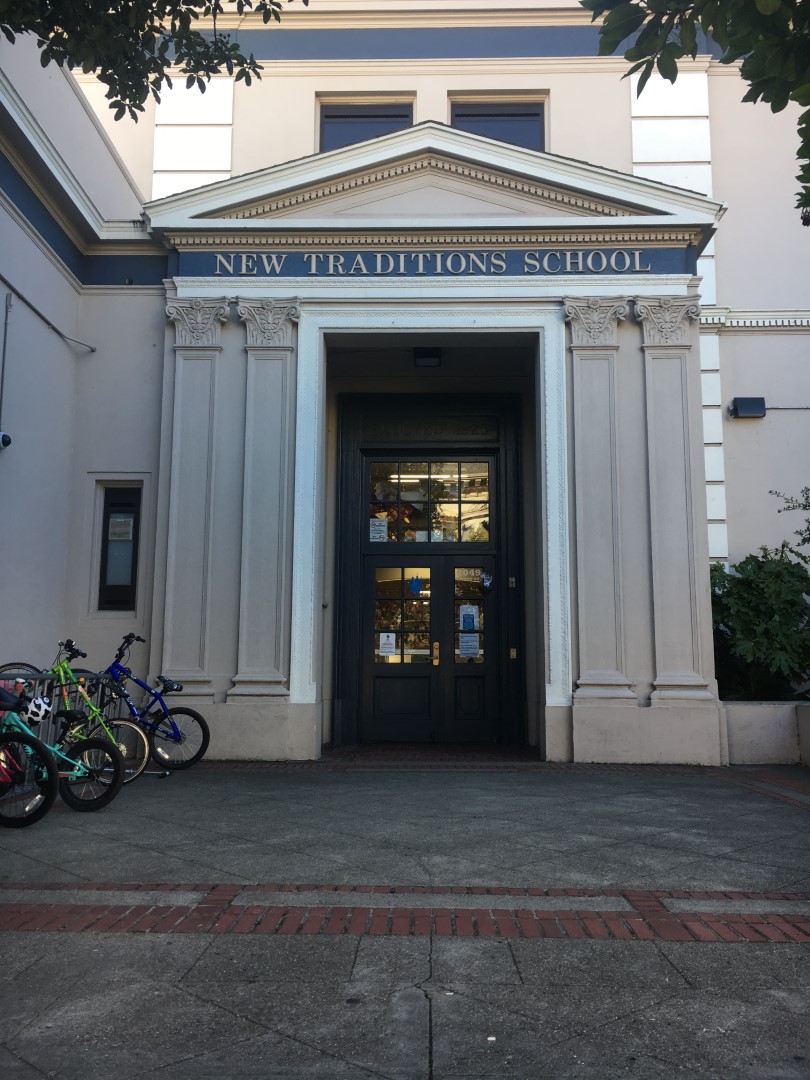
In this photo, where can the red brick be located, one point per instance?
(638, 927)
(442, 922)
(484, 923)
(595, 927)
(670, 930)
(336, 922)
(313, 923)
(379, 923)
(291, 921)
(422, 923)
(787, 929)
(573, 928)
(529, 926)
(168, 918)
(770, 932)
(401, 922)
(226, 921)
(549, 927)
(268, 923)
(463, 922)
(725, 933)
(358, 922)
(505, 920)
(699, 930)
(616, 926)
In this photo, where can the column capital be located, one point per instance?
(594, 319)
(269, 322)
(665, 319)
(197, 321)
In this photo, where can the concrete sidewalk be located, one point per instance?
(414, 921)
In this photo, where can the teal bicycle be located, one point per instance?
(90, 771)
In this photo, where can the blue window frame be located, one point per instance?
(519, 123)
(342, 125)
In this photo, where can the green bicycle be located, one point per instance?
(81, 717)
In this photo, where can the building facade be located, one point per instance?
(388, 398)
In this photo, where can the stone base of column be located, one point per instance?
(686, 732)
(604, 686)
(257, 686)
(197, 689)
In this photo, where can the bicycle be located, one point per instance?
(29, 780)
(178, 737)
(90, 772)
(88, 720)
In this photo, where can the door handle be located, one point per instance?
(435, 654)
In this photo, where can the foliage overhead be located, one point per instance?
(770, 37)
(132, 44)
(761, 623)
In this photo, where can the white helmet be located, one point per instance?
(36, 710)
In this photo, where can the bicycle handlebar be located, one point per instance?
(126, 642)
(70, 646)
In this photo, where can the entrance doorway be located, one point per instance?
(430, 620)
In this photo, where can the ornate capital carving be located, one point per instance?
(197, 321)
(269, 322)
(665, 319)
(594, 320)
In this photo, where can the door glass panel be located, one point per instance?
(444, 523)
(387, 615)
(469, 615)
(413, 480)
(417, 582)
(416, 615)
(388, 581)
(474, 523)
(475, 480)
(436, 502)
(387, 646)
(417, 648)
(444, 479)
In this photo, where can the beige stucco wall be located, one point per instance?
(769, 453)
(763, 258)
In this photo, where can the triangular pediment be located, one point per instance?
(425, 177)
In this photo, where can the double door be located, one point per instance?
(430, 647)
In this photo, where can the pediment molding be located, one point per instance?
(224, 240)
(561, 200)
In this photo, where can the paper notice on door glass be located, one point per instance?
(468, 644)
(388, 644)
(468, 617)
(378, 529)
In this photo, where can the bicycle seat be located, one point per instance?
(74, 716)
(169, 685)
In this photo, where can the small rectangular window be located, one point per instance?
(519, 123)
(121, 521)
(342, 125)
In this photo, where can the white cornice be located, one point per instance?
(362, 14)
(37, 138)
(726, 319)
(648, 201)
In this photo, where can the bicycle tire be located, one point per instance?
(31, 781)
(130, 740)
(106, 766)
(181, 752)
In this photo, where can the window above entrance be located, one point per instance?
(429, 502)
(519, 123)
(344, 124)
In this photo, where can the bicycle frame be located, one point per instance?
(121, 676)
(11, 721)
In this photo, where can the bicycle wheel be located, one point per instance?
(130, 740)
(19, 669)
(29, 780)
(97, 778)
(180, 738)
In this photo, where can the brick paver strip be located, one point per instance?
(498, 911)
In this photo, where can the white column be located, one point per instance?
(264, 602)
(594, 349)
(188, 569)
(677, 517)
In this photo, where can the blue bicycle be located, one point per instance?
(178, 738)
